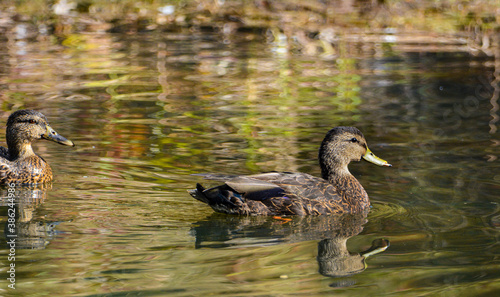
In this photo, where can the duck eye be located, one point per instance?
(353, 140)
(31, 121)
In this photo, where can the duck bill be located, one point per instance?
(52, 135)
(370, 157)
(378, 246)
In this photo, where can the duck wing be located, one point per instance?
(273, 193)
(5, 171)
(290, 185)
(278, 184)
(246, 186)
(5, 165)
(4, 153)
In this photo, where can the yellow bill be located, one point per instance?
(370, 157)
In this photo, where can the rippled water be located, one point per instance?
(148, 110)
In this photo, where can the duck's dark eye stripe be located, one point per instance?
(31, 121)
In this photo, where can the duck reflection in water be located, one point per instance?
(331, 232)
(335, 260)
(29, 233)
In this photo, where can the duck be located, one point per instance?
(19, 164)
(337, 191)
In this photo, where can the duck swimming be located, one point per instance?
(287, 193)
(18, 162)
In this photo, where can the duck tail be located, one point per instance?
(198, 194)
(221, 198)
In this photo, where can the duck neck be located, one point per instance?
(347, 185)
(18, 149)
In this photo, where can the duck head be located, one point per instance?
(24, 127)
(342, 145)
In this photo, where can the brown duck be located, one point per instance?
(286, 193)
(18, 162)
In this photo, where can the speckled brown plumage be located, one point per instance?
(286, 193)
(18, 162)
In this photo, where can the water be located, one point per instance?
(148, 110)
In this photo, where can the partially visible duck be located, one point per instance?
(18, 162)
(286, 193)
